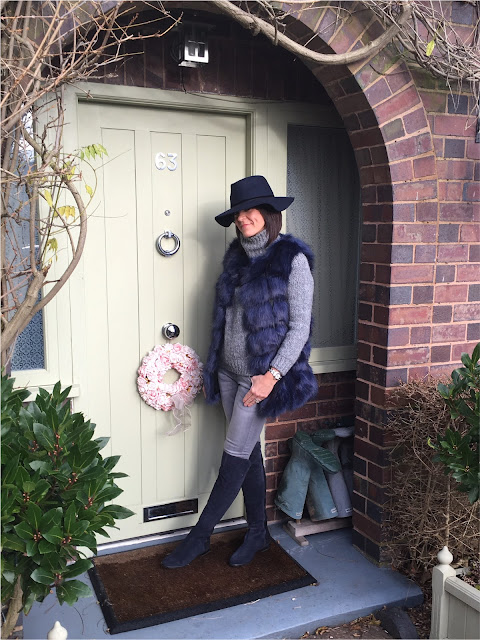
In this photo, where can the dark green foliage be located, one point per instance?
(458, 447)
(55, 485)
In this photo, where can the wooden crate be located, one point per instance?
(298, 529)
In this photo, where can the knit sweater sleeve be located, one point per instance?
(300, 299)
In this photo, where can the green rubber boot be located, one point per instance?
(320, 503)
(305, 458)
(336, 481)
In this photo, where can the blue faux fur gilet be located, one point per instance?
(263, 293)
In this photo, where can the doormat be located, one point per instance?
(135, 591)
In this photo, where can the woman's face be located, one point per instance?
(249, 222)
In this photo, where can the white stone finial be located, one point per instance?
(444, 556)
(57, 632)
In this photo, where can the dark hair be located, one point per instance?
(273, 222)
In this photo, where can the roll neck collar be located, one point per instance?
(256, 245)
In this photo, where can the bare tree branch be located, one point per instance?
(442, 52)
(437, 47)
(47, 45)
(250, 21)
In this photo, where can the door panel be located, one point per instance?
(131, 290)
(120, 224)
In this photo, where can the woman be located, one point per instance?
(258, 359)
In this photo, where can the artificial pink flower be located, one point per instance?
(162, 358)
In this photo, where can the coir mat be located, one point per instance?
(135, 591)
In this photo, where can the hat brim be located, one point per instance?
(278, 204)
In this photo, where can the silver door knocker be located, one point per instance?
(166, 252)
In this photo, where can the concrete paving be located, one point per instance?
(349, 586)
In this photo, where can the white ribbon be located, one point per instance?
(181, 413)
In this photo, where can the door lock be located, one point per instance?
(170, 331)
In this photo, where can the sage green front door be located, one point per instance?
(167, 170)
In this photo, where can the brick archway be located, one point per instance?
(390, 134)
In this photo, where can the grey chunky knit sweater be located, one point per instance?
(300, 297)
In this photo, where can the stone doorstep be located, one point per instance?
(349, 586)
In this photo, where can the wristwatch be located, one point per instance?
(276, 374)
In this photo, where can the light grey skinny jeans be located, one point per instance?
(244, 424)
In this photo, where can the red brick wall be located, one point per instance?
(419, 291)
(456, 292)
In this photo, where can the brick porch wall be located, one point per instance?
(419, 276)
(456, 291)
(419, 171)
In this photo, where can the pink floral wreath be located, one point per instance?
(162, 358)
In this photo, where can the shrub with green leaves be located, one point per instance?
(55, 490)
(458, 448)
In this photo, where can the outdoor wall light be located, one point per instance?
(193, 44)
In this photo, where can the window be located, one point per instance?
(28, 352)
(322, 176)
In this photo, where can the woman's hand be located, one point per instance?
(261, 388)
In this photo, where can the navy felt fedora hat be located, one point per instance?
(249, 193)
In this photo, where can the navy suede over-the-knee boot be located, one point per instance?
(230, 478)
(257, 537)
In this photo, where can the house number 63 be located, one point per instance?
(166, 161)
